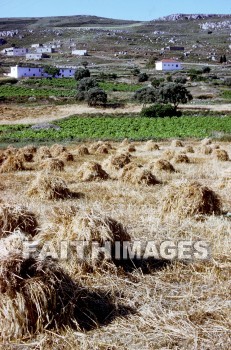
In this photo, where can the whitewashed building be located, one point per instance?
(28, 72)
(15, 51)
(35, 56)
(79, 52)
(168, 65)
(45, 50)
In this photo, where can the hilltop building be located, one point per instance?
(28, 72)
(168, 65)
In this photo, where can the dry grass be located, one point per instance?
(190, 199)
(51, 164)
(178, 305)
(16, 218)
(47, 186)
(92, 171)
(11, 164)
(221, 155)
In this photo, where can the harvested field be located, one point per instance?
(167, 298)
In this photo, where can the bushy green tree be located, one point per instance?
(53, 71)
(81, 73)
(159, 110)
(142, 77)
(146, 95)
(174, 93)
(96, 97)
(86, 84)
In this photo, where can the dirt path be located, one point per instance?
(16, 114)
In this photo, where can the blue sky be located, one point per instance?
(124, 9)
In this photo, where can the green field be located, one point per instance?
(117, 128)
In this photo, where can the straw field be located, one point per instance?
(54, 198)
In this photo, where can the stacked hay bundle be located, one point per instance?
(117, 161)
(181, 158)
(168, 154)
(92, 171)
(17, 218)
(91, 229)
(51, 164)
(131, 148)
(102, 149)
(43, 152)
(11, 163)
(206, 142)
(66, 157)
(48, 186)
(82, 150)
(138, 175)
(221, 155)
(151, 146)
(204, 149)
(162, 165)
(57, 149)
(190, 199)
(177, 143)
(2, 156)
(189, 149)
(26, 154)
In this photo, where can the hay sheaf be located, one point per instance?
(40, 295)
(17, 218)
(189, 149)
(221, 155)
(205, 149)
(92, 171)
(151, 146)
(66, 156)
(190, 199)
(102, 149)
(25, 156)
(57, 149)
(206, 142)
(118, 161)
(181, 158)
(177, 143)
(47, 186)
(137, 175)
(168, 154)
(51, 164)
(82, 151)
(2, 156)
(131, 148)
(162, 165)
(11, 164)
(43, 152)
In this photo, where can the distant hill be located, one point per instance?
(181, 16)
(60, 21)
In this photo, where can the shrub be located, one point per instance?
(180, 80)
(146, 95)
(142, 77)
(156, 82)
(81, 73)
(8, 81)
(206, 70)
(86, 84)
(159, 111)
(96, 97)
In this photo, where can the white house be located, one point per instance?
(35, 56)
(168, 65)
(27, 72)
(44, 50)
(79, 52)
(15, 51)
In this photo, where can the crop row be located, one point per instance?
(117, 128)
